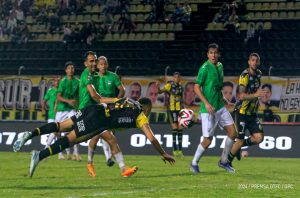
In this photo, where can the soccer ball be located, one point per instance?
(186, 118)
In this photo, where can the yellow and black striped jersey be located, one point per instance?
(252, 83)
(175, 91)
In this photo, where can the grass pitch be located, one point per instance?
(255, 177)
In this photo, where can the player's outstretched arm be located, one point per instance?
(149, 134)
(94, 94)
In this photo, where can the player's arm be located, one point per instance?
(199, 93)
(95, 96)
(62, 99)
(149, 134)
(245, 96)
(121, 89)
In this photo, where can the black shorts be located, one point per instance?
(89, 122)
(173, 116)
(248, 122)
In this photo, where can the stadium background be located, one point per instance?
(35, 49)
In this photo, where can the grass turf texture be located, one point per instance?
(255, 177)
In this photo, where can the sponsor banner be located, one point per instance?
(21, 96)
(279, 141)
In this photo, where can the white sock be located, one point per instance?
(50, 139)
(120, 160)
(91, 153)
(68, 151)
(76, 149)
(228, 145)
(106, 149)
(198, 154)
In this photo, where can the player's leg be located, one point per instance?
(67, 125)
(51, 136)
(107, 153)
(116, 151)
(53, 149)
(91, 151)
(76, 155)
(173, 124)
(179, 138)
(207, 133)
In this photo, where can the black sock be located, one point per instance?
(230, 157)
(248, 142)
(179, 139)
(46, 129)
(57, 147)
(174, 133)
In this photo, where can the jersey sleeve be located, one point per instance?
(47, 96)
(117, 81)
(167, 87)
(202, 74)
(244, 80)
(141, 120)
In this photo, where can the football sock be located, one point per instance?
(46, 129)
(120, 160)
(199, 152)
(50, 139)
(248, 142)
(91, 153)
(174, 134)
(179, 135)
(230, 157)
(76, 149)
(106, 149)
(55, 148)
(228, 145)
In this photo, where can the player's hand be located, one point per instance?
(260, 93)
(209, 108)
(43, 112)
(71, 102)
(166, 157)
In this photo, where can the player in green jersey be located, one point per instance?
(212, 111)
(109, 83)
(67, 95)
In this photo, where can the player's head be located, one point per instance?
(146, 105)
(227, 90)
(90, 60)
(55, 82)
(268, 93)
(135, 91)
(254, 61)
(176, 77)
(213, 53)
(102, 64)
(69, 68)
(189, 93)
(152, 91)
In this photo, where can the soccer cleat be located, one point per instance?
(76, 157)
(34, 161)
(21, 141)
(238, 154)
(180, 154)
(129, 171)
(61, 156)
(226, 166)
(110, 162)
(91, 170)
(175, 153)
(195, 169)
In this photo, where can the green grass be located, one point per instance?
(54, 178)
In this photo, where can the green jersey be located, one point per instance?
(68, 90)
(86, 79)
(50, 97)
(210, 78)
(108, 84)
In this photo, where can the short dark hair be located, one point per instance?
(176, 73)
(213, 46)
(68, 63)
(269, 86)
(254, 54)
(86, 54)
(145, 101)
(227, 84)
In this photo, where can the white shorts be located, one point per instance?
(210, 121)
(63, 115)
(51, 120)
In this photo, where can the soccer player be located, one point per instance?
(50, 97)
(67, 95)
(249, 91)
(212, 111)
(95, 119)
(175, 104)
(109, 83)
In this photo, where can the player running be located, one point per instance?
(93, 120)
(212, 111)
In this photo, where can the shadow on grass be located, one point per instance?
(180, 174)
